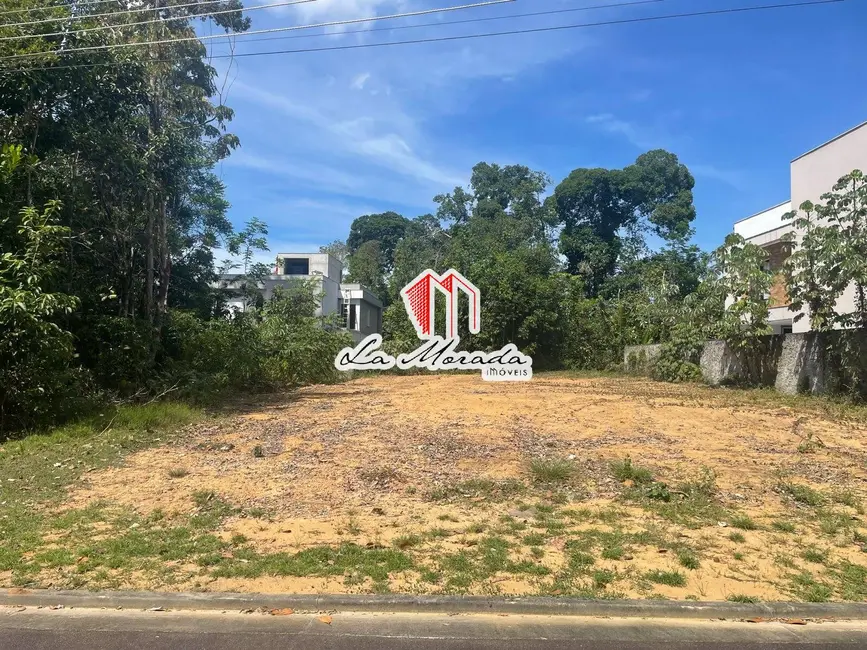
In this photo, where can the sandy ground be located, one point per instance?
(356, 462)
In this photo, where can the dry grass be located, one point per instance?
(433, 484)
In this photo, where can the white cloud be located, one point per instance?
(359, 81)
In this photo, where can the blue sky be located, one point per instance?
(328, 136)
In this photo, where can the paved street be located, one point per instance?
(36, 629)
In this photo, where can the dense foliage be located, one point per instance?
(110, 215)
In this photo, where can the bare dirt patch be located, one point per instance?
(437, 467)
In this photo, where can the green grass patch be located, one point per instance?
(406, 541)
(742, 598)
(737, 538)
(743, 522)
(474, 488)
(347, 559)
(801, 493)
(670, 578)
(783, 526)
(624, 470)
(688, 559)
(552, 470)
(815, 555)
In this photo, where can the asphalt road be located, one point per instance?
(42, 629)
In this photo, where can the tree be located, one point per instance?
(339, 250)
(36, 354)
(742, 277)
(846, 208)
(365, 267)
(386, 228)
(813, 272)
(604, 213)
(245, 244)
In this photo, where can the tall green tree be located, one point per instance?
(605, 212)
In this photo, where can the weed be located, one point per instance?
(814, 555)
(258, 452)
(670, 578)
(853, 581)
(624, 470)
(537, 552)
(810, 444)
(345, 559)
(742, 598)
(809, 589)
(212, 509)
(612, 552)
(379, 475)
(801, 493)
(178, 472)
(736, 537)
(831, 522)
(743, 522)
(534, 539)
(448, 517)
(658, 491)
(439, 533)
(406, 541)
(688, 559)
(783, 526)
(479, 487)
(738, 556)
(552, 470)
(578, 560)
(602, 578)
(476, 528)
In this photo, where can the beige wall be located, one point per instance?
(816, 172)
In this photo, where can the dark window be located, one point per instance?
(786, 329)
(299, 266)
(351, 319)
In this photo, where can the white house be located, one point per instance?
(360, 311)
(812, 174)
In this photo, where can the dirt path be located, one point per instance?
(439, 466)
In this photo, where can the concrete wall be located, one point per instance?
(812, 362)
(319, 264)
(640, 358)
(763, 222)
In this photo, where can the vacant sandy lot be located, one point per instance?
(450, 484)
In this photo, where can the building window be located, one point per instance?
(296, 266)
(786, 329)
(351, 320)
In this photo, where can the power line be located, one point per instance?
(441, 39)
(130, 11)
(444, 23)
(332, 23)
(99, 28)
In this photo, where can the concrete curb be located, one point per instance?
(433, 604)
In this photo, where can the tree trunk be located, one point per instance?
(149, 263)
(165, 261)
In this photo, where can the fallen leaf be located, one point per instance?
(757, 619)
(157, 609)
(283, 611)
(795, 621)
(325, 619)
(629, 483)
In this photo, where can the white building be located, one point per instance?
(360, 311)
(812, 175)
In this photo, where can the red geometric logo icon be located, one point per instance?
(419, 298)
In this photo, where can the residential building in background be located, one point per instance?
(812, 175)
(359, 310)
